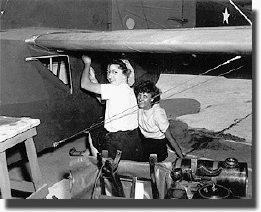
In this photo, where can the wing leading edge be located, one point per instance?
(186, 40)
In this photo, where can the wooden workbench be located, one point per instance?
(14, 131)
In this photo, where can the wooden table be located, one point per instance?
(13, 131)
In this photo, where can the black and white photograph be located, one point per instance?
(119, 100)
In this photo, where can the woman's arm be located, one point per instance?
(173, 143)
(94, 80)
(88, 80)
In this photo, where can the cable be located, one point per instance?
(123, 113)
(236, 7)
(206, 72)
(206, 81)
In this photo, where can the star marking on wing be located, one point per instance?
(225, 16)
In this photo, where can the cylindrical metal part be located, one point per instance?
(234, 174)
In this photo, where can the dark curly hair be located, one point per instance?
(122, 66)
(146, 86)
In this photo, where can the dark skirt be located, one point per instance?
(155, 146)
(129, 142)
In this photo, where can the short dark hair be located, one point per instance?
(146, 86)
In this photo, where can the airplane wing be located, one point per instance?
(185, 40)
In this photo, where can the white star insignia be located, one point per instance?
(226, 16)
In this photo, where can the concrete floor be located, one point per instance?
(221, 108)
(54, 165)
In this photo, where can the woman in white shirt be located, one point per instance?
(121, 114)
(153, 122)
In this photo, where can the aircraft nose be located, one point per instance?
(32, 39)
